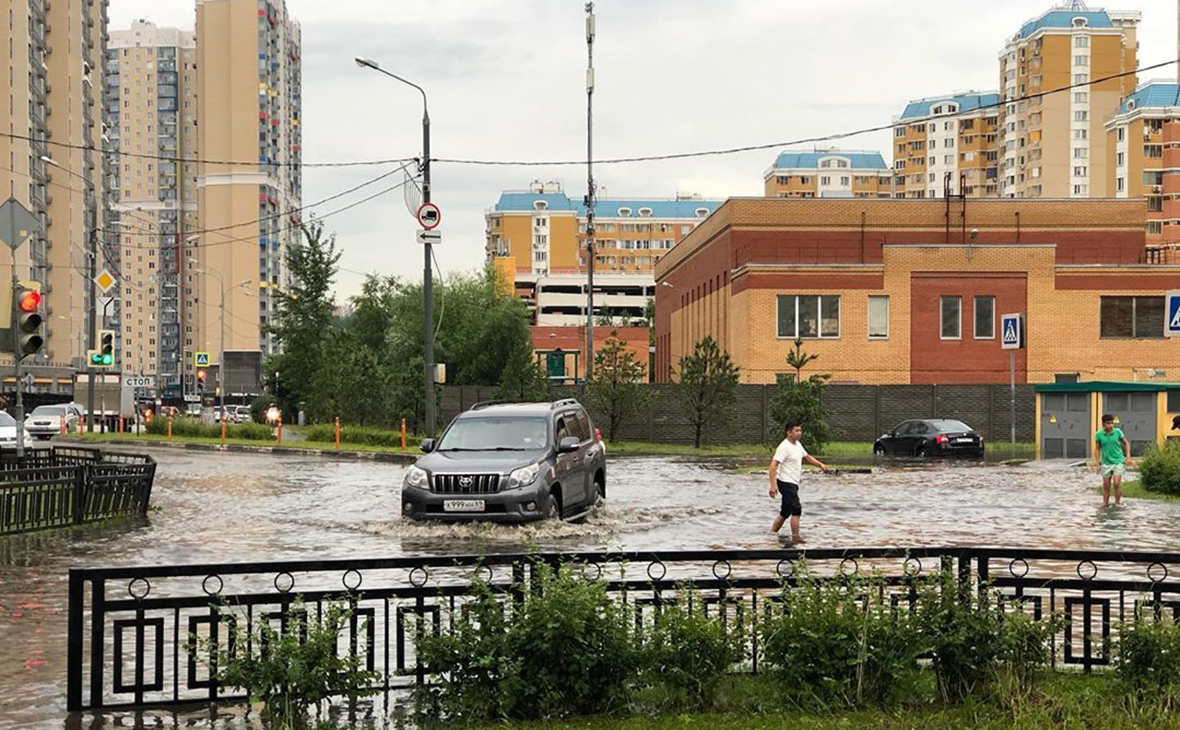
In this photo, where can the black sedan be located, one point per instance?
(930, 437)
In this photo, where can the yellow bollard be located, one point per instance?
(279, 432)
(403, 434)
(337, 433)
(223, 428)
(169, 426)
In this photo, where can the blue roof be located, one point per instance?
(967, 103)
(1064, 19)
(1156, 94)
(607, 207)
(810, 160)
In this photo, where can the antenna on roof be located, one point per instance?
(1078, 6)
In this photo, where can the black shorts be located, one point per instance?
(792, 507)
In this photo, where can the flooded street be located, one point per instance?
(213, 507)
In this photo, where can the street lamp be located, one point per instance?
(427, 272)
(221, 361)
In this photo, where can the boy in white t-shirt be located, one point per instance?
(786, 471)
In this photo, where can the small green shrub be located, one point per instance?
(837, 643)
(363, 435)
(566, 649)
(1148, 657)
(1159, 469)
(688, 653)
(191, 428)
(1026, 650)
(289, 671)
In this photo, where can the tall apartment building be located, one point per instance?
(52, 63)
(830, 173)
(1143, 159)
(535, 239)
(150, 92)
(1054, 146)
(249, 183)
(948, 141)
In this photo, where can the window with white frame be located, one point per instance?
(1081, 78)
(1081, 60)
(950, 325)
(1120, 184)
(825, 180)
(1081, 41)
(1081, 116)
(1081, 134)
(1122, 134)
(878, 317)
(985, 318)
(808, 316)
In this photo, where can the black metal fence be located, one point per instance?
(146, 636)
(64, 486)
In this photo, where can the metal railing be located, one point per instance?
(145, 637)
(64, 486)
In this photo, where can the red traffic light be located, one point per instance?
(29, 300)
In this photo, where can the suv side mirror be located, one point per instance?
(427, 445)
(568, 445)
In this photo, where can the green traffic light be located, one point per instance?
(108, 359)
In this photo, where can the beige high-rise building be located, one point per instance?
(1054, 146)
(948, 142)
(250, 183)
(152, 111)
(52, 66)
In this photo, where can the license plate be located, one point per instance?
(964, 441)
(463, 505)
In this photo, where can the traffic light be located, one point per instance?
(27, 319)
(201, 379)
(104, 356)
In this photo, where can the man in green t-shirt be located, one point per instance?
(1113, 456)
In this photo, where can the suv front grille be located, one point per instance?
(466, 483)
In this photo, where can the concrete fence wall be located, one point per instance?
(859, 412)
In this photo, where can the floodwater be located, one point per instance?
(226, 508)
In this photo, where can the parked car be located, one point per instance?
(930, 437)
(193, 410)
(45, 421)
(241, 414)
(8, 433)
(510, 463)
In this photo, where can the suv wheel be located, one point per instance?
(599, 491)
(553, 511)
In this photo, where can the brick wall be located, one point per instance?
(859, 412)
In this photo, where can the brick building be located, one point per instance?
(911, 291)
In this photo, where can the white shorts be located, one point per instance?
(1113, 470)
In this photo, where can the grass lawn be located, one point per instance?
(1133, 489)
(833, 451)
(148, 438)
(1061, 701)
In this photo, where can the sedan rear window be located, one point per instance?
(945, 426)
(495, 434)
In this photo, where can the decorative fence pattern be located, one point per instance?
(65, 486)
(143, 636)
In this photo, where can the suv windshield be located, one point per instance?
(495, 434)
(6, 420)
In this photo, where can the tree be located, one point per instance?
(615, 390)
(304, 315)
(708, 387)
(524, 379)
(799, 399)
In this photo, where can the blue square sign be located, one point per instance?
(1172, 310)
(1011, 331)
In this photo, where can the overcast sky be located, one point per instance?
(506, 80)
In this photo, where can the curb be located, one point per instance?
(381, 456)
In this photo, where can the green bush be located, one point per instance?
(1148, 660)
(191, 428)
(292, 670)
(688, 653)
(836, 642)
(975, 643)
(1159, 469)
(566, 649)
(363, 435)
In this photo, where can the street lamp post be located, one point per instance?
(427, 271)
(221, 360)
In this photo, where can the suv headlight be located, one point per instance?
(417, 477)
(524, 476)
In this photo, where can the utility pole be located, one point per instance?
(428, 278)
(591, 193)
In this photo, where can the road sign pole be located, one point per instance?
(1012, 396)
(19, 411)
(92, 330)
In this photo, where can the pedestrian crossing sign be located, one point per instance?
(1012, 331)
(202, 359)
(1172, 310)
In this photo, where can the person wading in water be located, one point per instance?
(786, 472)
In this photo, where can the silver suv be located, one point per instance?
(510, 463)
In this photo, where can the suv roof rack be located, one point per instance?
(563, 402)
(485, 404)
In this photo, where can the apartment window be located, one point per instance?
(1136, 318)
(809, 316)
(844, 180)
(948, 159)
(1153, 150)
(1081, 97)
(1080, 171)
(1120, 159)
(1081, 78)
(878, 318)
(985, 318)
(1154, 227)
(933, 176)
(1080, 153)
(948, 142)
(950, 324)
(1120, 184)
(933, 160)
(899, 132)
(541, 239)
(540, 222)
(1122, 134)
(1081, 190)
(825, 180)
(540, 255)
(1081, 60)
(1081, 41)
(1081, 116)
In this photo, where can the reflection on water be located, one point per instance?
(212, 507)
